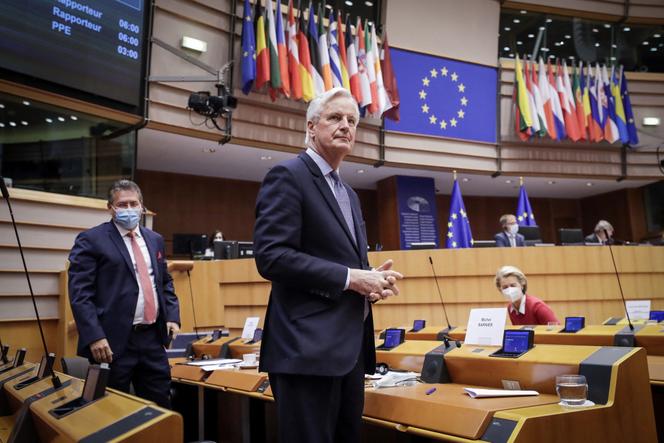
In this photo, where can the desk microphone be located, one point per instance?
(5, 194)
(440, 295)
(615, 268)
(4, 350)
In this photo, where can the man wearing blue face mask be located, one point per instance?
(122, 297)
(509, 237)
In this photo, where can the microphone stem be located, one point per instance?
(615, 268)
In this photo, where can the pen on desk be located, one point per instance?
(430, 391)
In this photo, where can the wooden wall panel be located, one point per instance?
(573, 280)
(624, 209)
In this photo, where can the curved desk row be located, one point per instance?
(618, 380)
(115, 416)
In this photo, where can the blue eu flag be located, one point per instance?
(458, 226)
(248, 50)
(445, 98)
(524, 213)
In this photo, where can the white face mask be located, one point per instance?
(512, 294)
(513, 229)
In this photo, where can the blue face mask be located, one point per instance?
(128, 218)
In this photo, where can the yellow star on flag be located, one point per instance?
(450, 235)
(454, 216)
(462, 88)
(460, 113)
(434, 73)
(443, 124)
(433, 119)
(423, 94)
(425, 81)
(453, 122)
(525, 214)
(462, 212)
(520, 218)
(425, 108)
(443, 72)
(450, 224)
(454, 76)
(464, 101)
(454, 244)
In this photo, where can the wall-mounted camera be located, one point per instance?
(212, 106)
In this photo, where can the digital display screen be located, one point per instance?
(95, 46)
(657, 316)
(91, 383)
(516, 342)
(258, 335)
(418, 325)
(574, 323)
(392, 338)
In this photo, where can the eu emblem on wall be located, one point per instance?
(445, 98)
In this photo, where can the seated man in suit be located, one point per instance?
(524, 309)
(599, 234)
(122, 297)
(510, 237)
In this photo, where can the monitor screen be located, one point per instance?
(189, 244)
(418, 325)
(225, 250)
(571, 236)
(91, 381)
(393, 338)
(516, 342)
(530, 232)
(656, 315)
(574, 323)
(94, 46)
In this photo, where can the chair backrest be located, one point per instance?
(75, 366)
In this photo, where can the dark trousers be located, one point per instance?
(315, 409)
(143, 363)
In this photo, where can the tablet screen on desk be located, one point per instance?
(656, 316)
(517, 342)
(418, 325)
(393, 338)
(573, 324)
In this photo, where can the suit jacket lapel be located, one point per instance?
(119, 243)
(329, 197)
(153, 257)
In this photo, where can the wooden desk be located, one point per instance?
(103, 419)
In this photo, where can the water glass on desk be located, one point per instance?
(572, 389)
(553, 325)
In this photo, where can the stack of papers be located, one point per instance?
(215, 364)
(485, 393)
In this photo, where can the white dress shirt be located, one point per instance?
(138, 314)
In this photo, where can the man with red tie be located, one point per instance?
(122, 297)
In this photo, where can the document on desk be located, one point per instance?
(214, 362)
(487, 393)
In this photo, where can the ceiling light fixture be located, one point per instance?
(589, 184)
(12, 124)
(508, 181)
(61, 119)
(551, 182)
(516, 20)
(266, 157)
(24, 123)
(360, 171)
(73, 117)
(627, 29)
(26, 103)
(507, 28)
(48, 120)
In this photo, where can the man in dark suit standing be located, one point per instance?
(310, 242)
(122, 297)
(509, 237)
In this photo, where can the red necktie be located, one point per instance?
(149, 309)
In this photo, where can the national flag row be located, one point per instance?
(583, 103)
(306, 59)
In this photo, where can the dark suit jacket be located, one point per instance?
(103, 289)
(592, 238)
(303, 246)
(503, 241)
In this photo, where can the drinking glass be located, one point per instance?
(572, 389)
